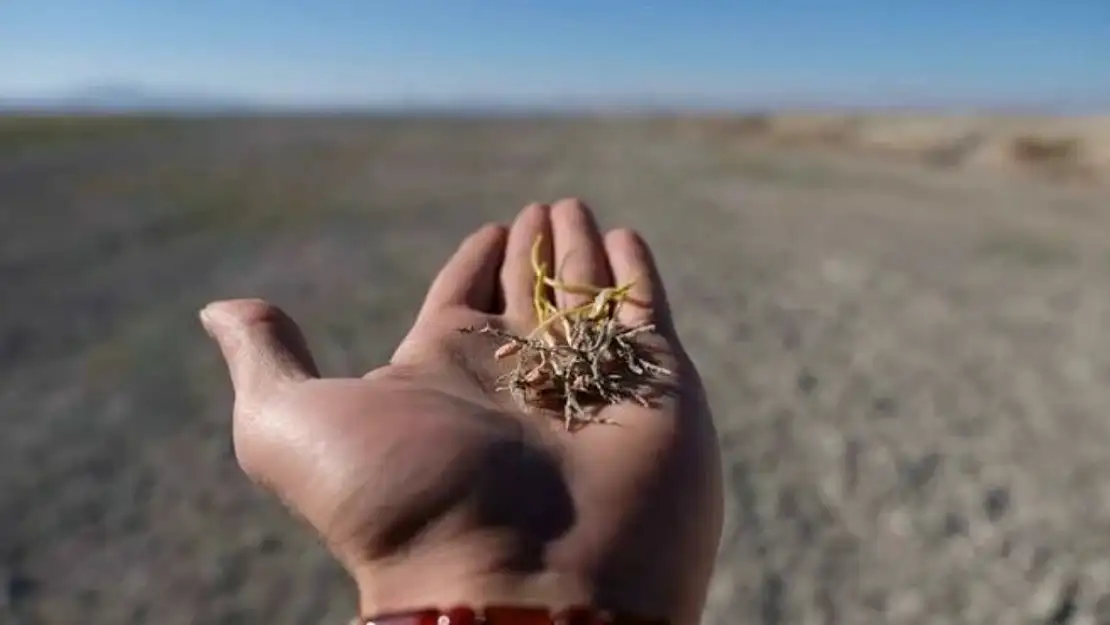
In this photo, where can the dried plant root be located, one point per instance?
(577, 360)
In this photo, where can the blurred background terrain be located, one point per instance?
(899, 311)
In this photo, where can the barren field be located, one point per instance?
(908, 363)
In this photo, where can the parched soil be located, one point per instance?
(909, 366)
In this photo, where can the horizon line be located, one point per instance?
(130, 97)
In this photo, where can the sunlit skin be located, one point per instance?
(434, 489)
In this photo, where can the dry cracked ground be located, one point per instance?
(908, 367)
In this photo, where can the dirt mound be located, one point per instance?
(1067, 149)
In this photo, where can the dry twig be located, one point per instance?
(578, 359)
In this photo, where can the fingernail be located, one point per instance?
(205, 320)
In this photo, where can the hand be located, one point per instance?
(434, 489)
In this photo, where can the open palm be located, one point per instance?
(433, 488)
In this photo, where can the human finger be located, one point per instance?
(631, 261)
(262, 346)
(579, 253)
(517, 273)
(469, 278)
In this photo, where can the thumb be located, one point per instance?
(263, 347)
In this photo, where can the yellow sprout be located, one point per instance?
(606, 300)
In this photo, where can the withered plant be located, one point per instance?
(577, 360)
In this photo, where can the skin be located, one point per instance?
(432, 489)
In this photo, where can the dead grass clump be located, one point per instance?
(577, 360)
(1028, 149)
(953, 153)
(753, 125)
(826, 131)
(1058, 156)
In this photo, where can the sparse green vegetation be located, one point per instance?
(1026, 248)
(19, 133)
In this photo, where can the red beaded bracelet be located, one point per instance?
(508, 615)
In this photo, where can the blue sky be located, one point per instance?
(863, 52)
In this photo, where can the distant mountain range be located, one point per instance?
(121, 99)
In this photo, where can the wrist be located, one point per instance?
(463, 575)
(507, 615)
(388, 594)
